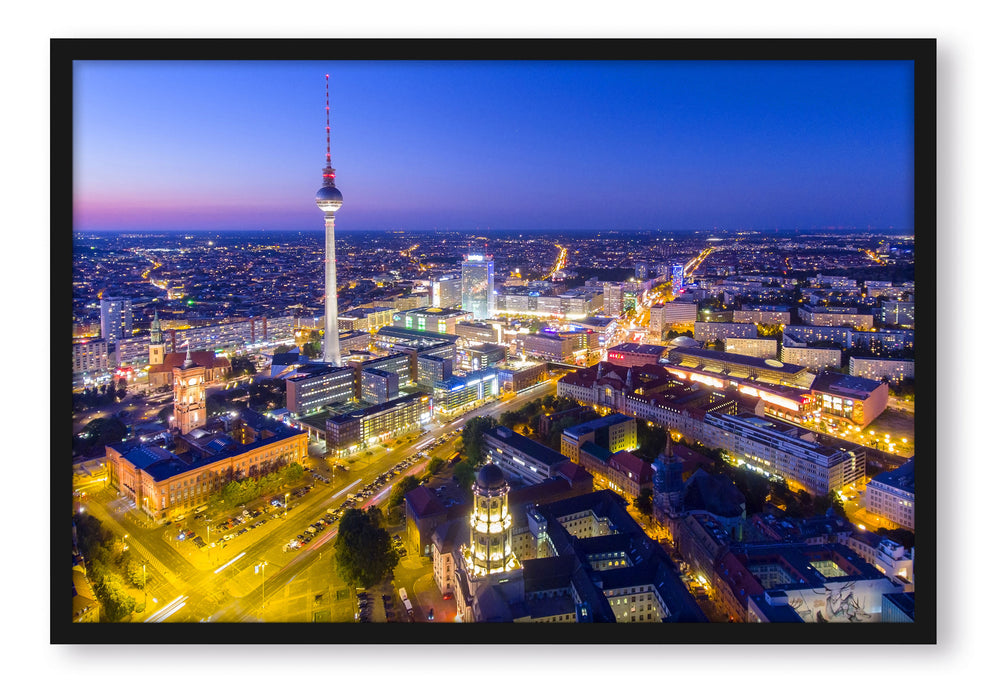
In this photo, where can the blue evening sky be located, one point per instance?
(501, 145)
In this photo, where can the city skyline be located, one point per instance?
(627, 345)
(662, 144)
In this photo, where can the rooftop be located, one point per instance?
(530, 448)
(901, 478)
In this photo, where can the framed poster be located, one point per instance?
(622, 333)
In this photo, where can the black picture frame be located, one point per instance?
(920, 51)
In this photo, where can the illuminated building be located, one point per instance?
(707, 331)
(855, 399)
(814, 358)
(368, 319)
(622, 472)
(432, 319)
(765, 316)
(605, 327)
(396, 339)
(573, 304)
(764, 348)
(490, 548)
(890, 496)
(355, 341)
(521, 458)
(612, 299)
(90, 356)
(478, 332)
(614, 433)
(458, 392)
(881, 369)
(164, 483)
(881, 340)
(399, 363)
(516, 375)
(432, 369)
(784, 451)
(897, 313)
(812, 583)
(483, 356)
(446, 291)
(735, 366)
(156, 344)
(116, 319)
(189, 394)
(85, 606)
(895, 561)
(674, 315)
(378, 386)
(368, 426)
(478, 286)
(635, 354)
(819, 334)
(329, 200)
(550, 346)
(676, 277)
(586, 560)
(314, 386)
(215, 369)
(835, 316)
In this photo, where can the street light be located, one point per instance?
(262, 565)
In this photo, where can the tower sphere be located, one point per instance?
(490, 478)
(329, 199)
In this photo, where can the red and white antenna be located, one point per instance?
(329, 175)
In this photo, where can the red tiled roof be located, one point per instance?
(203, 358)
(629, 463)
(423, 502)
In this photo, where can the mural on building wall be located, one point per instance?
(840, 603)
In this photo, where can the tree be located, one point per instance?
(363, 551)
(652, 439)
(312, 349)
(644, 501)
(474, 438)
(112, 594)
(100, 432)
(434, 466)
(464, 474)
(241, 365)
(398, 497)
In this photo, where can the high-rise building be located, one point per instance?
(676, 277)
(116, 319)
(446, 291)
(478, 285)
(329, 200)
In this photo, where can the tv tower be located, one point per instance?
(329, 200)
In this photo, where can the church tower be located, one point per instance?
(189, 395)
(668, 483)
(156, 348)
(490, 550)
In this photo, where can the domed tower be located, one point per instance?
(490, 550)
(329, 200)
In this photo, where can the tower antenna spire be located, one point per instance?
(329, 174)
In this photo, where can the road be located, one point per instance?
(220, 584)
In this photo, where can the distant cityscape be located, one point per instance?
(772, 365)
